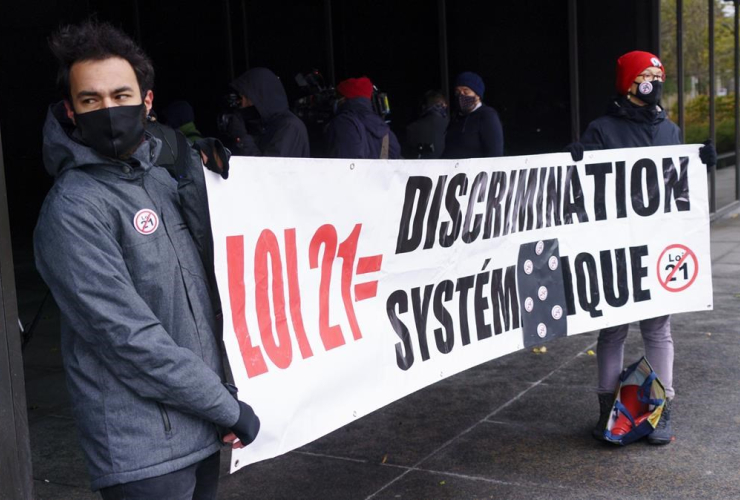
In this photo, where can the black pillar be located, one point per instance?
(329, 30)
(737, 101)
(712, 131)
(655, 28)
(15, 451)
(575, 108)
(444, 69)
(137, 23)
(229, 40)
(679, 67)
(245, 37)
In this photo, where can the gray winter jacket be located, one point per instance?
(138, 340)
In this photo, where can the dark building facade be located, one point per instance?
(548, 68)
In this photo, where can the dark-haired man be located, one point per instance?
(139, 330)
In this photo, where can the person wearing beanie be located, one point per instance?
(634, 118)
(179, 115)
(475, 130)
(357, 131)
(264, 125)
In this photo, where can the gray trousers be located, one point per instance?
(656, 336)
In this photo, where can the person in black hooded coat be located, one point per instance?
(264, 125)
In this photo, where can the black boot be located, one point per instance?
(663, 434)
(606, 401)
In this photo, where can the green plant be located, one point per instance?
(696, 120)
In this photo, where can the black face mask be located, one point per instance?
(467, 103)
(114, 132)
(649, 92)
(250, 114)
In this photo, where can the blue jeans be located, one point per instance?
(196, 482)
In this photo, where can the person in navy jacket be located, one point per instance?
(475, 130)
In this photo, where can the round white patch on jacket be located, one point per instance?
(146, 221)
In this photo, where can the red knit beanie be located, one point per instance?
(630, 65)
(356, 87)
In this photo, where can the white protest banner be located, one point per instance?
(349, 284)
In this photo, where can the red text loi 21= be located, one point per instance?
(280, 349)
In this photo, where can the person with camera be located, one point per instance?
(261, 123)
(425, 137)
(475, 130)
(358, 131)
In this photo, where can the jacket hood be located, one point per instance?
(621, 107)
(264, 89)
(363, 108)
(62, 151)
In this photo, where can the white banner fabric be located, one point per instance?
(349, 284)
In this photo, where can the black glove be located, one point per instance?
(576, 150)
(708, 153)
(217, 155)
(248, 425)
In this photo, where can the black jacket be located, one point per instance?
(628, 126)
(277, 132)
(425, 138)
(357, 132)
(475, 135)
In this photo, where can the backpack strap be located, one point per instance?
(180, 166)
(170, 145)
(384, 148)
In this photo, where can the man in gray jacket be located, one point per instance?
(140, 339)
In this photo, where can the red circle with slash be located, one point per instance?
(687, 254)
(146, 221)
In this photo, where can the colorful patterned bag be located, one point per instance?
(638, 404)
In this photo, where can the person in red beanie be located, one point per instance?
(357, 131)
(635, 119)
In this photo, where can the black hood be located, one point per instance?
(264, 89)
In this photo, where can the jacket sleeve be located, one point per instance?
(492, 135)
(593, 138)
(677, 135)
(344, 139)
(292, 142)
(191, 189)
(240, 140)
(83, 265)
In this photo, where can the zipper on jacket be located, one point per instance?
(165, 418)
